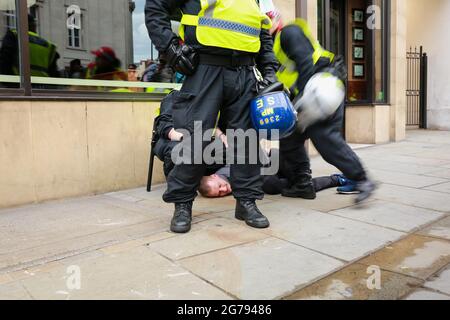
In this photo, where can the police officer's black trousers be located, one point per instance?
(327, 138)
(210, 90)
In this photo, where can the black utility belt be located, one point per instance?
(227, 61)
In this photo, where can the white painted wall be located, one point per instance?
(429, 25)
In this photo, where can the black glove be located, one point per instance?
(269, 77)
(182, 58)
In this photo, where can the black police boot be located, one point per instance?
(365, 188)
(182, 218)
(246, 210)
(303, 188)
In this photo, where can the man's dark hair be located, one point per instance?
(132, 66)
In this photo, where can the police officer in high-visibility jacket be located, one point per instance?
(221, 42)
(43, 54)
(301, 57)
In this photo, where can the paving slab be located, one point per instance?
(335, 236)
(426, 295)
(43, 253)
(390, 215)
(429, 136)
(13, 291)
(135, 274)
(354, 283)
(381, 164)
(439, 173)
(209, 235)
(413, 160)
(415, 256)
(440, 282)
(414, 197)
(443, 187)
(440, 229)
(25, 227)
(405, 179)
(327, 200)
(266, 269)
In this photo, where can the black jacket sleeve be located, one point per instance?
(266, 58)
(299, 49)
(157, 20)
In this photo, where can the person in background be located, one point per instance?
(163, 74)
(76, 70)
(132, 72)
(150, 69)
(106, 66)
(133, 77)
(43, 53)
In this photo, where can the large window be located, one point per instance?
(74, 29)
(9, 48)
(359, 30)
(76, 46)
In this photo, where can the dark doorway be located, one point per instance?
(331, 23)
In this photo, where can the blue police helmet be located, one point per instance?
(274, 111)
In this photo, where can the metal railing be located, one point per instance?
(416, 88)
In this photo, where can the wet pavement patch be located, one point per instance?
(355, 282)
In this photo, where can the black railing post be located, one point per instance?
(423, 90)
(24, 49)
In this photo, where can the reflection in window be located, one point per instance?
(9, 51)
(100, 40)
(10, 19)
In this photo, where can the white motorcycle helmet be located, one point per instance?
(323, 95)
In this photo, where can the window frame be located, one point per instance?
(27, 92)
(386, 68)
(71, 37)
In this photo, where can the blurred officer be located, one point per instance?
(221, 43)
(301, 57)
(106, 66)
(43, 54)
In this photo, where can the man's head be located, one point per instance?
(214, 187)
(132, 72)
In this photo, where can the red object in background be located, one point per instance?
(105, 52)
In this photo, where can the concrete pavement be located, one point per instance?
(117, 246)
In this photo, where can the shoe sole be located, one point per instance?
(298, 196)
(180, 229)
(348, 192)
(256, 226)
